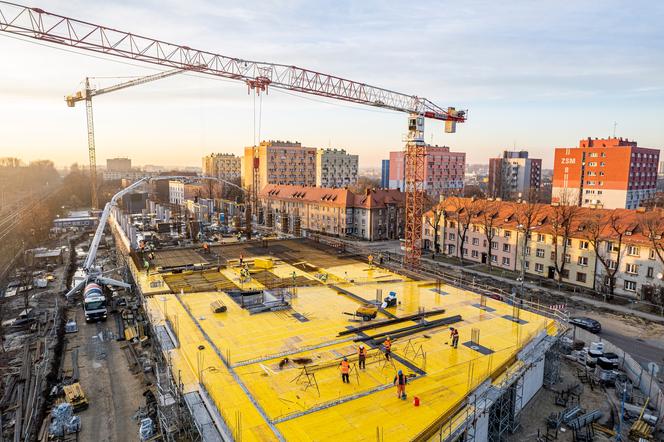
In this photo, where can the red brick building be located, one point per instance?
(609, 173)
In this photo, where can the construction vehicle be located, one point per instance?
(94, 303)
(367, 312)
(75, 396)
(38, 24)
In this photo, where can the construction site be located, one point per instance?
(280, 337)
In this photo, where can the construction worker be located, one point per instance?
(362, 354)
(454, 335)
(370, 261)
(400, 380)
(344, 367)
(380, 258)
(241, 259)
(387, 345)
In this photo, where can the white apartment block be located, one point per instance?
(335, 168)
(222, 165)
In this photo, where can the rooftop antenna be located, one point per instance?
(615, 124)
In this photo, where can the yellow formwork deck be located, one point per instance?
(277, 372)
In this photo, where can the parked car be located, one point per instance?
(589, 324)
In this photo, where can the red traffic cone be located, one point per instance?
(416, 401)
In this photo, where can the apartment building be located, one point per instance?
(586, 247)
(118, 164)
(443, 173)
(606, 173)
(179, 192)
(279, 162)
(335, 168)
(224, 166)
(373, 215)
(385, 174)
(514, 176)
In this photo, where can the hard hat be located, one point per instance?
(345, 359)
(400, 372)
(361, 346)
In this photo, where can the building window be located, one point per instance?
(540, 237)
(565, 273)
(583, 245)
(506, 261)
(568, 258)
(539, 267)
(632, 269)
(630, 286)
(611, 264)
(527, 251)
(580, 277)
(494, 258)
(507, 234)
(526, 264)
(464, 251)
(582, 261)
(451, 236)
(633, 251)
(651, 272)
(494, 245)
(452, 225)
(506, 247)
(540, 253)
(652, 254)
(475, 254)
(476, 241)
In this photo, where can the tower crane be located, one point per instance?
(86, 95)
(38, 24)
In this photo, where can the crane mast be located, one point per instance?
(258, 76)
(87, 95)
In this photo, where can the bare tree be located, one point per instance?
(609, 229)
(437, 210)
(563, 221)
(652, 225)
(487, 212)
(527, 214)
(465, 211)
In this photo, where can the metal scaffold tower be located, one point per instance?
(38, 24)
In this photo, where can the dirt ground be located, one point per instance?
(542, 405)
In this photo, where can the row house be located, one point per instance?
(599, 249)
(376, 214)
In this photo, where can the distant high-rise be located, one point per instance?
(443, 173)
(118, 164)
(514, 176)
(385, 174)
(280, 162)
(335, 168)
(609, 172)
(222, 165)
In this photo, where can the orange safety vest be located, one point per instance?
(387, 344)
(345, 367)
(362, 352)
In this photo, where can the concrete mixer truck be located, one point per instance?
(94, 303)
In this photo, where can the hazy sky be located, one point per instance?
(535, 74)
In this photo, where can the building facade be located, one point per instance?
(335, 168)
(606, 173)
(443, 174)
(118, 164)
(223, 166)
(179, 192)
(279, 162)
(376, 214)
(595, 250)
(514, 176)
(385, 174)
